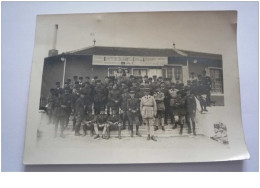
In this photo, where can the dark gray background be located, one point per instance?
(18, 30)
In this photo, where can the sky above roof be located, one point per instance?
(208, 32)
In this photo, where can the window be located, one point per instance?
(217, 80)
(173, 72)
(178, 73)
(139, 72)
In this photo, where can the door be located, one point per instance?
(140, 72)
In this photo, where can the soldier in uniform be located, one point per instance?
(79, 113)
(58, 89)
(207, 82)
(101, 122)
(114, 97)
(59, 106)
(179, 110)
(68, 109)
(89, 122)
(50, 108)
(114, 121)
(89, 96)
(133, 112)
(159, 98)
(148, 110)
(100, 97)
(191, 107)
(123, 107)
(168, 108)
(75, 79)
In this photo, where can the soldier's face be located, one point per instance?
(132, 95)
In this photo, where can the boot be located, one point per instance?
(108, 133)
(62, 135)
(155, 128)
(153, 138)
(194, 133)
(181, 129)
(148, 137)
(97, 136)
(137, 131)
(162, 124)
(119, 132)
(175, 126)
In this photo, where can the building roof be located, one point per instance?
(125, 51)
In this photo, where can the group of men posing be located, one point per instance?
(107, 105)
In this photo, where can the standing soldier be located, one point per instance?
(50, 108)
(123, 106)
(75, 79)
(58, 89)
(206, 80)
(159, 98)
(80, 81)
(148, 110)
(133, 112)
(68, 109)
(79, 113)
(114, 121)
(101, 121)
(180, 110)
(191, 107)
(59, 105)
(100, 97)
(88, 122)
(89, 95)
(114, 98)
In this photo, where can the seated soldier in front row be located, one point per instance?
(101, 121)
(114, 121)
(89, 122)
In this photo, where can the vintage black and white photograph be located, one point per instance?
(152, 87)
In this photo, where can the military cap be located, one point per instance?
(76, 82)
(75, 77)
(81, 78)
(160, 77)
(68, 80)
(145, 76)
(154, 76)
(95, 77)
(98, 81)
(57, 83)
(52, 90)
(87, 77)
(150, 78)
(131, 76)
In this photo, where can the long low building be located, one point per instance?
(104, 61)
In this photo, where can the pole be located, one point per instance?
(64, 68)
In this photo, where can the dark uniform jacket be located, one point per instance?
(191, 104)
(79, 107)
(114, 97)
(101, 118)
(114, 119)
(124, 99)
(90, 118)
(59, 106)
(89, 94)
(100, 94)
(133, 104)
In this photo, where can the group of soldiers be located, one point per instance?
(127, 100)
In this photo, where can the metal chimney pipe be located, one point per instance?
(55, 37)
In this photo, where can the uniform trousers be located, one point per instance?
(150, 125)
(59, 120)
